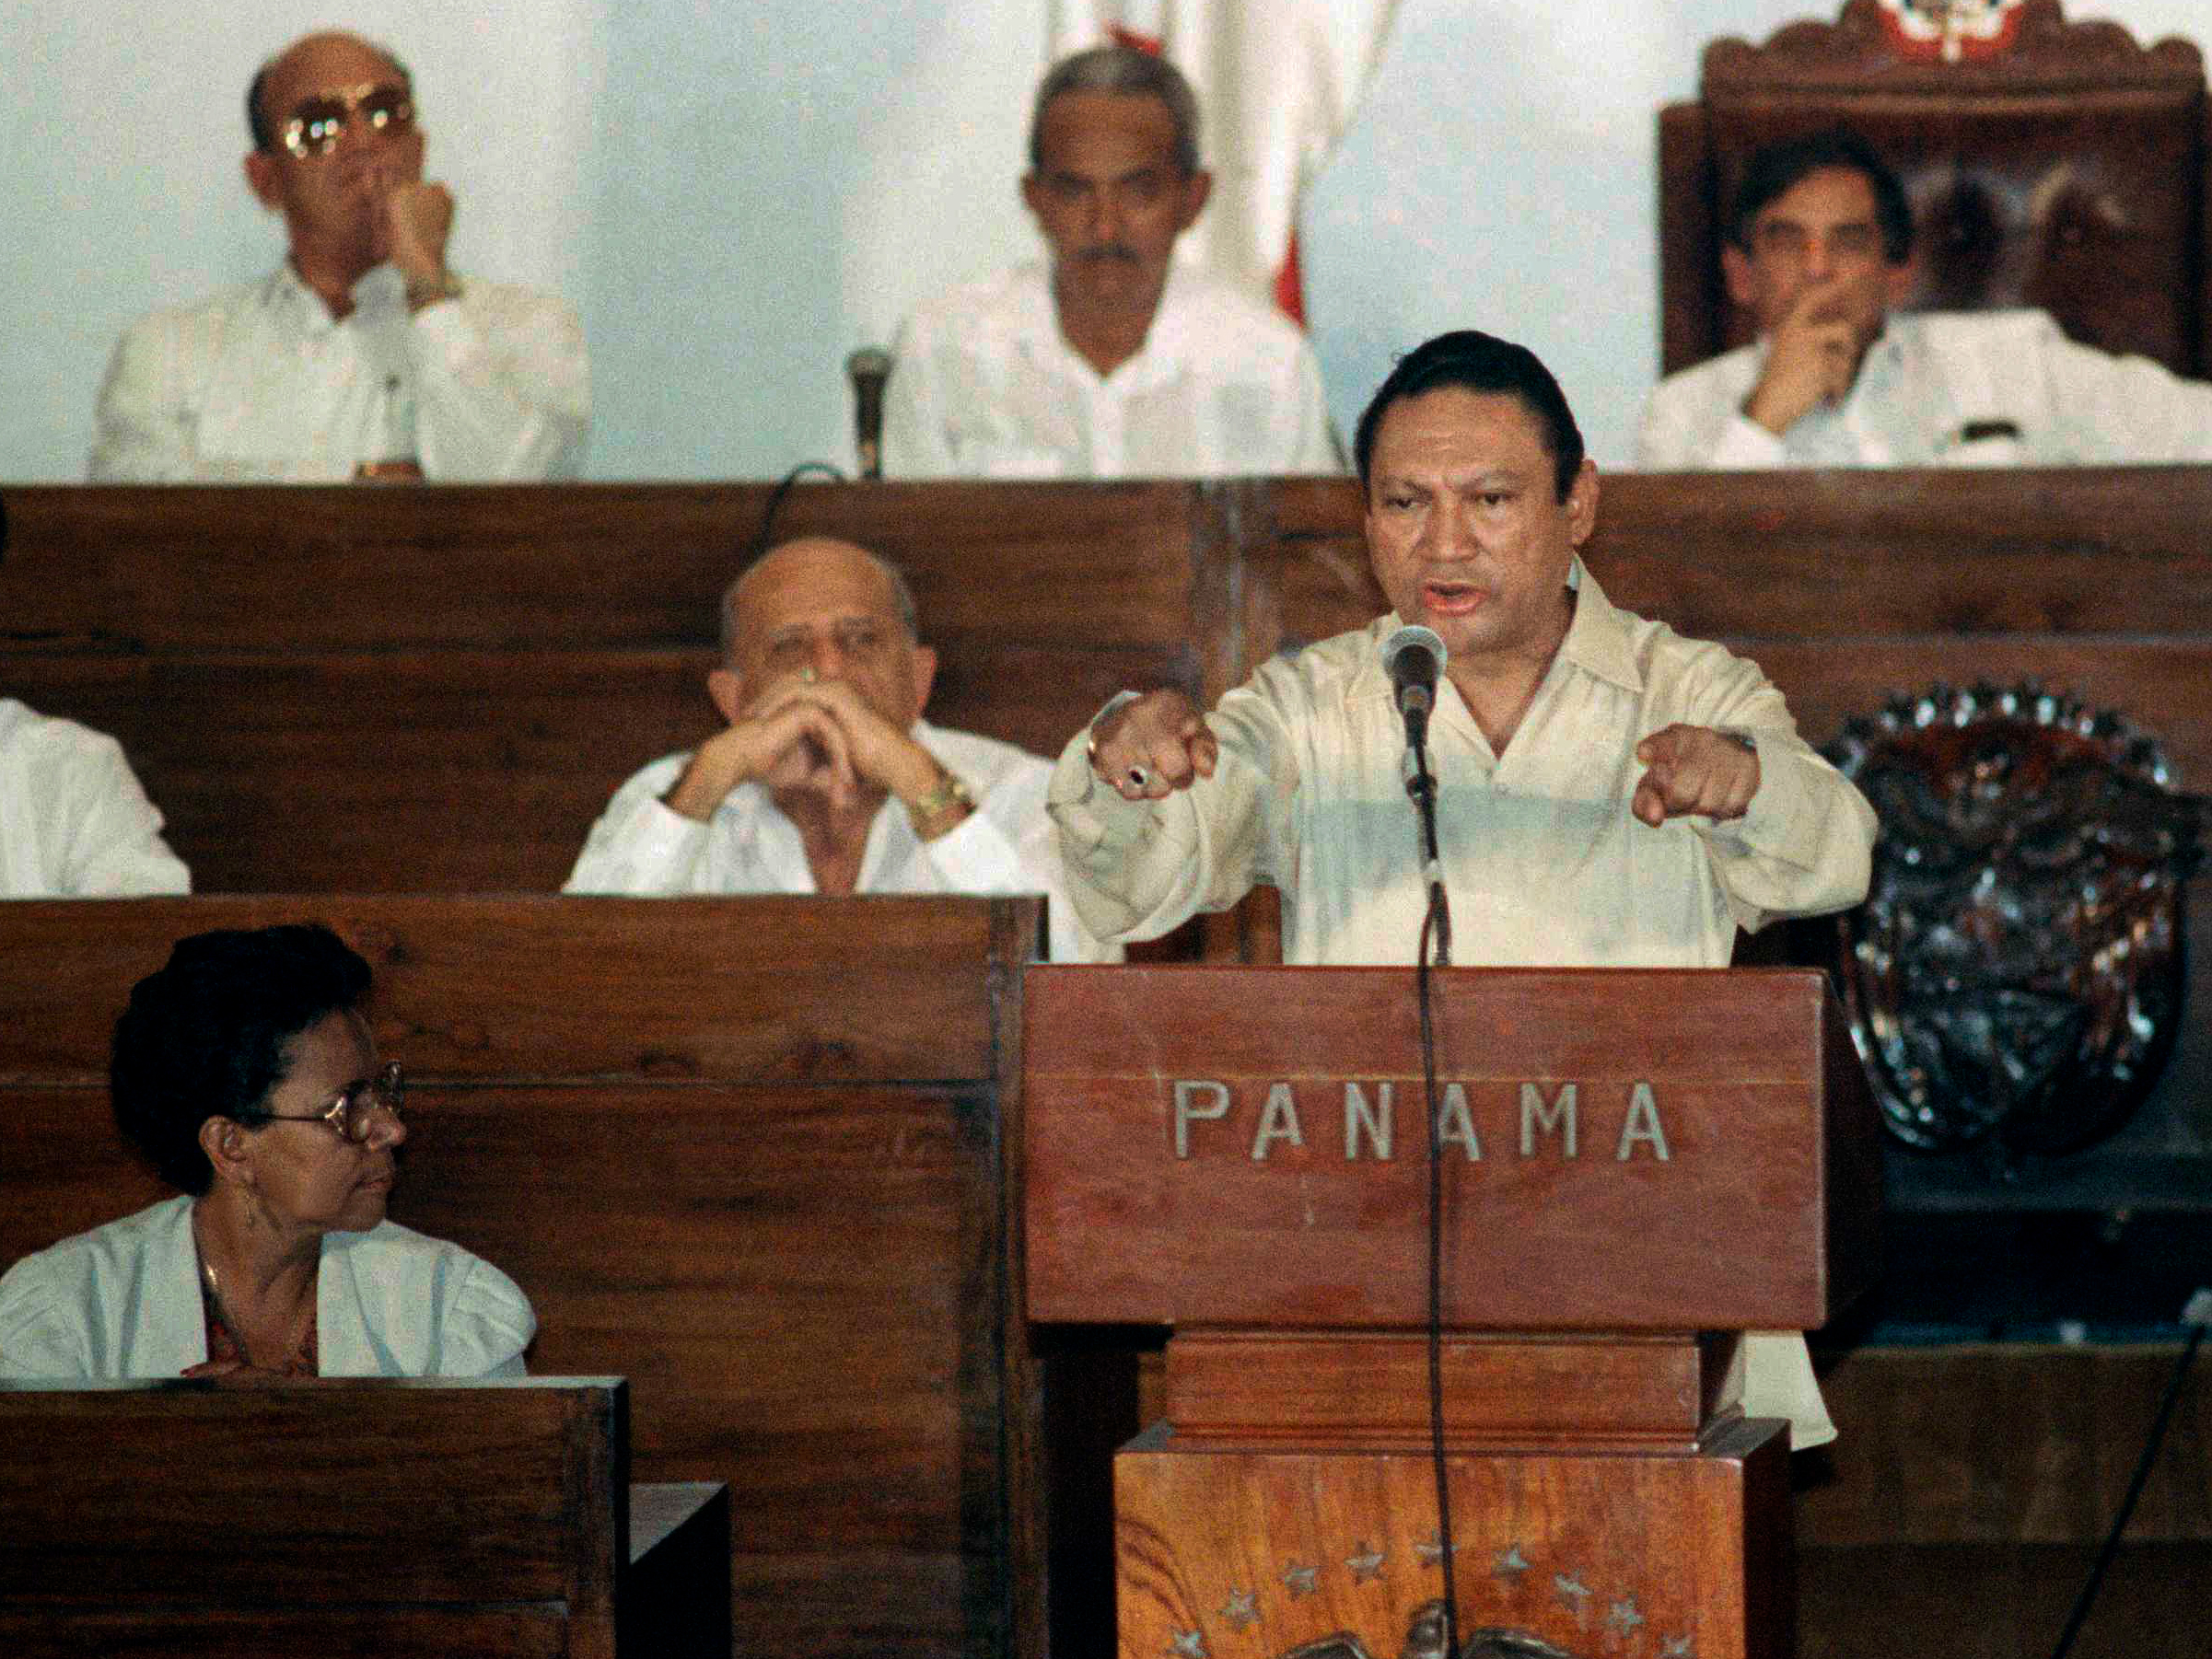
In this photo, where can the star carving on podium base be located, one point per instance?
(1432, 1552)
(1245, 1612)
(1365, 1565)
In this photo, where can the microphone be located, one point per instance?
(1414, 658)
(868, 368)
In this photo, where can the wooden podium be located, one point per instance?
(1640, 1165)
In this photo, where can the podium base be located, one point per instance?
(1224, 1552)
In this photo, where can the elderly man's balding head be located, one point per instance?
(819, 608)
(816, 553)
(327, 57)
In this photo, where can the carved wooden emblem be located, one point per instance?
(1941, 46)
(1950, 30)
(1425, 1640)
(2017, 969)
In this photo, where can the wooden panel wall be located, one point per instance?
(744, 1152)
(334, 690)
(435, 690)
(1963, 1507)
(340, 690)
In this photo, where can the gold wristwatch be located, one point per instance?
(941, 809)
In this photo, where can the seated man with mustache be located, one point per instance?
(1114, 361)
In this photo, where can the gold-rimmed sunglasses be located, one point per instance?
(318, 123)
(349, 1114)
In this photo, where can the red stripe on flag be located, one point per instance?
(1289, 286)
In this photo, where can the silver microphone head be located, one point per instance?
(1402, 657)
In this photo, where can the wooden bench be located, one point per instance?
(396, 1517)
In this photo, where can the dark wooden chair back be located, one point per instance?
(2055, 164)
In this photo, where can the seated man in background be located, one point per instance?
(74, 821)
(1112, 361)
(365, 354)
(1819, 249)
(826, 779)
(245, 1072)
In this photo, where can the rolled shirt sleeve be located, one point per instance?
(504, 387)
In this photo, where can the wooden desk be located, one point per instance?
(390, 1516)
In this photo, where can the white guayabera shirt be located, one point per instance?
(262, 384)
(1959, 388)
(641, 848)
(984, 386)
(74, 821)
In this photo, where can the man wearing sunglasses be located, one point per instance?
(365, 355)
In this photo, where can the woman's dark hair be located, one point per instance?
(1473, 361)
(205, 1038)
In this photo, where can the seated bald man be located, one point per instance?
(365, 355)
(826, 779)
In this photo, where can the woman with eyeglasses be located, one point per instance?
(245, 1071)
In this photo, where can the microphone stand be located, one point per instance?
(1435, 929)
(1422, 787)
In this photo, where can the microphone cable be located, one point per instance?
(1435, 929)
(2197, 1316)
(761, 537)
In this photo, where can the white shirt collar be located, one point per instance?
(380, 290)
(1159, 362)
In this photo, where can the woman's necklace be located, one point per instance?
(300, 1356)
(215, 1304)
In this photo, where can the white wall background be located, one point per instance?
(707, 180)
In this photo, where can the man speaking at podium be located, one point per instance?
(1609, 794)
